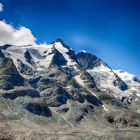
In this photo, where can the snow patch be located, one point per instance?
(104, 78)
(138, 111)
(138, 94)
(129, 80)
(105, 108)
(41, 56)
(83, 51)
(79, 80)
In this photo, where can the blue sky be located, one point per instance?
(109, 29)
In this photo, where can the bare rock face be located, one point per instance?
(39, 109)
(122, 120)
(21, 92)
(56, 96)
(9, 76)
(87, 61)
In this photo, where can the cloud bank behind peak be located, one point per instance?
(13, 36)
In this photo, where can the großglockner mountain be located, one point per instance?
(50, 92)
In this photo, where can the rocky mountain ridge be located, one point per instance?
(54, 85)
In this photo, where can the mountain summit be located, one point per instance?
(52, 86)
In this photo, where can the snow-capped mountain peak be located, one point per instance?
(127, 76)
(131, 80)
(69, 88)
(39, 59)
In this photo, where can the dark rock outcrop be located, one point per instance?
(39, 109)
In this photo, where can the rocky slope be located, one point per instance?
(52, 88)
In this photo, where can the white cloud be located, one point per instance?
(20, 36)
(1, 7)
